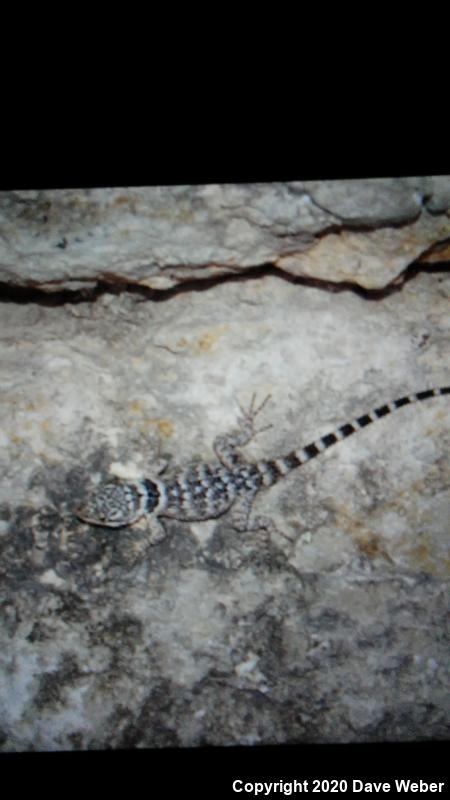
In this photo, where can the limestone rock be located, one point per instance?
(336, 630)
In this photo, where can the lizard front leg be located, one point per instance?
(226, 446)
(156, 530)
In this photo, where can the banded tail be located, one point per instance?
(276, 468)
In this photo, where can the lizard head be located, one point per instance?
(114, 505)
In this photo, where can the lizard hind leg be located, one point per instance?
(263, 525)
(226, 446)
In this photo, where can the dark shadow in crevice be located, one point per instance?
(115, 285)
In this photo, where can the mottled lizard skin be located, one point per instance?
(207, 491)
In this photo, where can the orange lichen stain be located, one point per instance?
(371, 546)
(16, 439)
(367, 542)
(206, 342)
(165, 427)
(32, 406)
(136, 407)
(420, 557)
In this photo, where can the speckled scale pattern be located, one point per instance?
(207, 491)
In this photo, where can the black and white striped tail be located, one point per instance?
(276, 468)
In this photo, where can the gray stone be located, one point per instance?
(336, 630)
(362, 231)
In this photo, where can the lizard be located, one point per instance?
(208, 491)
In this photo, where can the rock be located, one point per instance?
(214, 637)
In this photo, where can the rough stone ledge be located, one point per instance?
(337, 631)
(366, 232)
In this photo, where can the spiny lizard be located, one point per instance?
(206, 491)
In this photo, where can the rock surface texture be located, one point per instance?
(133, 324)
